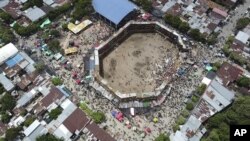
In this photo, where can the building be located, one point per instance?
(34, 13)
(228, 74)
(243, 37)
(7, 84)
(115, 11)
(215, 98)
(7, 52)
(218, 13)
(79, 27)
(190, 131)
(35, 130)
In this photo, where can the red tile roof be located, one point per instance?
(76, 121)
(220, 12)
(55, 94)
(99, 133)
(229, 73)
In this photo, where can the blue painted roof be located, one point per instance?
(113, 10)
(15, 60)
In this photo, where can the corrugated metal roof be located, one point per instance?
(7, 84)
(35, 13)
(113, 10)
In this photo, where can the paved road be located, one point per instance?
(239, 12)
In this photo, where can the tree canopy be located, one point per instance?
(55, 113)
(176, 22)
(201, 89)
(8, 102)
(82, 8)
(244, 82)
(238, 113)
(5, 117)
(242, 23)
(12, 133)
(56, 81)
(48, 137)
(98, 117)
(6, 34)
(54, 45)
(162, 137)
(145, 4)
(39, 66)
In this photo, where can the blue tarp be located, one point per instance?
(113, 10)
(13, 61)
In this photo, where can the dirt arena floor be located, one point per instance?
(131, 67)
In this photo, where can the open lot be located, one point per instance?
(134, 66)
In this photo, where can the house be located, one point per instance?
(219, 14)
(215, 98)
(7, 52)
(34, 13)
(72, 121)
(228, 74)
(190, 131)
(242, 36)
(35, 130)
(13, 8)
(7, 84)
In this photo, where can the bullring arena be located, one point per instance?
(139, 60)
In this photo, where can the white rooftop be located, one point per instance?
(242, 36)
(34, 13)
(31, 128)
(62, 132)
(7, 51)
(48, 2)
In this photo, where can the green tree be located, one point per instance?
(184, 27)
(243, 82)
(6, 34)
(237, 58)
(176, 127)
(242, 23)
(195, 98)
(53, 114)
(216, 65)
(190, 106)
(98, 117)
(226, 50)
(39, 66)
(38, 3)
(65, 26)
(55, 33)
(56, 81)
(54, 45)
(196, 35)
(181, 120)
(201, 89)
(6, 17)
(29, 121)
(54, 14)
(162, 137)
(48, 137)
(218, 124)
(145, 4)
(5, 117)
(12, 133)
(8, 102)
(82, 8)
